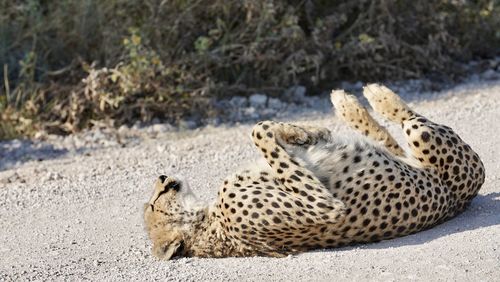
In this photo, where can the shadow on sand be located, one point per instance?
(15, 152)
(484, 211)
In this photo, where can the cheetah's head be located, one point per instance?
(170, 216)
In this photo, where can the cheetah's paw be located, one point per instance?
(386, 102)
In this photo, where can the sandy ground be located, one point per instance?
(79, 216)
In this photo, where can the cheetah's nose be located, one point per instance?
(163, 178)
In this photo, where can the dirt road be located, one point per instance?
(79, 216)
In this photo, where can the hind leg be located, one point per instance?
(350, 111)
(421, 134)
(434, 145)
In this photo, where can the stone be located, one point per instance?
(258, 100)
(187, 124)
(275, 103)
(490, 74)
(238, 101)
(296, 93)
(123, 129)
(251, 112)
(162, 128)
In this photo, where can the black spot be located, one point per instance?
(425, 136)
(414, 212)
(298, 203)
(363, 210)
(432, 160)
(449, 159)
(357, 159)
(366, 222)
(412, 200)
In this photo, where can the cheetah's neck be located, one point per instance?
(208, 238)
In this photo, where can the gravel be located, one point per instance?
(71, 207)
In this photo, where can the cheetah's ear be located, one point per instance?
(167, 250)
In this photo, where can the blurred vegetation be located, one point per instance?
(67, 65)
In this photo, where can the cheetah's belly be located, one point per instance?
(385, 197)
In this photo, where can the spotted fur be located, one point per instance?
(318, 191)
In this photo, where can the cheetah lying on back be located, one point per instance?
(321, 192)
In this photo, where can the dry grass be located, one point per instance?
(68, 65)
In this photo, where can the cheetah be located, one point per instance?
(321, 191)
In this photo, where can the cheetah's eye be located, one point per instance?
(162, 178)
(175, 185)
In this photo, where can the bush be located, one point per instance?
(70, 64)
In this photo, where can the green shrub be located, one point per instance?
(68, 65)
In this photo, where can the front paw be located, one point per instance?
(299, 136)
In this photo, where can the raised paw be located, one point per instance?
(320, 134)
(387, 103)
(350, 110)
(348, 107)
(303, 136)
